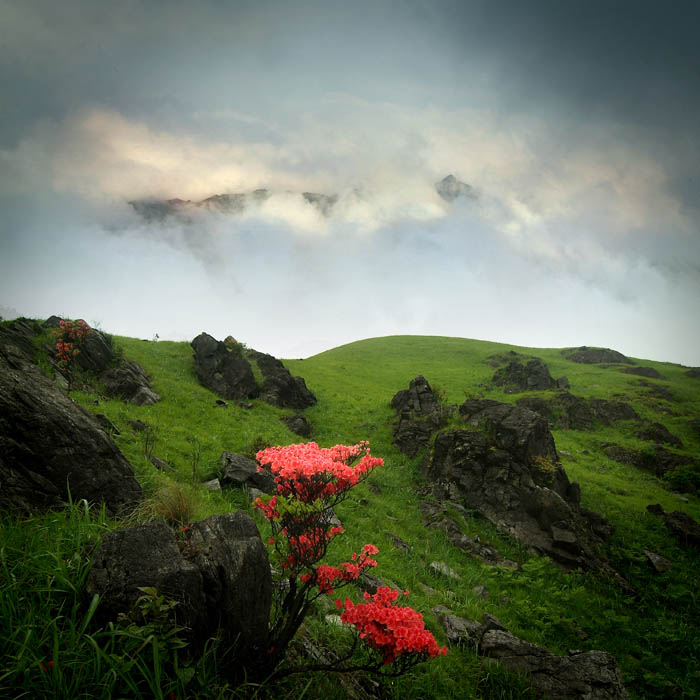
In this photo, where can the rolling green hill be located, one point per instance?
(654, 636)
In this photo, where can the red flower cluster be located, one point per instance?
(388, 628)
(70, 336)
(326, 575)
(309, 472)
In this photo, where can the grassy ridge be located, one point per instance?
(654, 638)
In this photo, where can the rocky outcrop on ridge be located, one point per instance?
(592, 356)
(218, 573)
(518, 376)
(48, 444)
(507, 470)
(419, 416)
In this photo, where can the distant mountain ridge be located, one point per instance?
(152, 210)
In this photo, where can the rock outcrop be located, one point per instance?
(298, 424)
(589, 675)
(507, 470)
(649, 372)
(592, 356)
(130, 382)
(684, 529)
(238, 471)
(419, 415)
(224, 371)
(517, 376)
(218, 573)
(279, 387)
(50, 446)
(570, 412)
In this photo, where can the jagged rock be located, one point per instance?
(459, 630)
(649, 372)
(609, 412)
(656, 432)
(681, 525)
(509, 474)
(298, 425)
(592, 356)
(420, 415)
(660, 564)
(517, 377)
(130, 382)
(279, 387)
(369, 584)
(219, 574)
(591, 675)
(49, 444)
(222, 370)
(519, 431)
(239, 471)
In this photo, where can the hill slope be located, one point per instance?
(654, 637)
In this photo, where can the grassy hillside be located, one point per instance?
(655, 637)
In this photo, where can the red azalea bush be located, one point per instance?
(70, 337)
(310, 481)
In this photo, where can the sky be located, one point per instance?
(575, 123)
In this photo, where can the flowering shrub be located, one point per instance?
(68, 341)
(310, 481)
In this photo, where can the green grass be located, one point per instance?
(654, 638)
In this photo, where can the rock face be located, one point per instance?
(49, 444)
(571, 412)
(130, 382)
(656, 432)
(279, 387)
(508, 472)
(531, 376)
(591, 356)
(239, 471)
(643, 372)
(657, 460)
(225, 372)
(590, 675)
(419, 415)
(219, 574)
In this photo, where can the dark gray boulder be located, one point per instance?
(590, 675)
(517, 376)
(298, 424)
(238, 471)
(592, 356)
(221, 369)
(656, 432)
(130, 382)
(49, 445)
(96, 352)
(508, 472)
(279, 387)
(218, 573)
(419, 416)
(649, 372)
